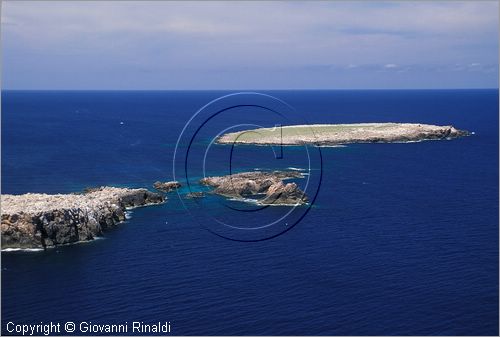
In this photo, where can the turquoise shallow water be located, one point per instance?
(401, 240)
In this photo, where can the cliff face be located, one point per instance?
(42, 220)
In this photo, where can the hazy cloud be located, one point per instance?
(247, 44)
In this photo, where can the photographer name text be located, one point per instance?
(50, 328)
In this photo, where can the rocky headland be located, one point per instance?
(268, 185)
(339, 134)
(42, 220)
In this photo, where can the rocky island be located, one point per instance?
(269, 185)
(43, 220)
(338, 134)
(166, 187)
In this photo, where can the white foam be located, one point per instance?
(331, 145)
(285, 205)
(295, 169)
(410, 141)
(247, 200)
(6, 250)
(258, 202)
(22, 249)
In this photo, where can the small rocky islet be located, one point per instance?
(268, 185)
(166, 187)
(194, 195)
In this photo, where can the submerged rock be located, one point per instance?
(42, 220)
(268, 184)
(194, 195)
(166, 186)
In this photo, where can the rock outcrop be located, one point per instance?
(166, 186)
(267, 184)
(284, 194)
(42, 220)
(337, 134)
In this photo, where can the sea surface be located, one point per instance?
(402, 239)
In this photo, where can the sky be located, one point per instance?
(249, 45)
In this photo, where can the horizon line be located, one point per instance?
(263, 89)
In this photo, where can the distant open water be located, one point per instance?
(402, 240)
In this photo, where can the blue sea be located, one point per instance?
(402, 239)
